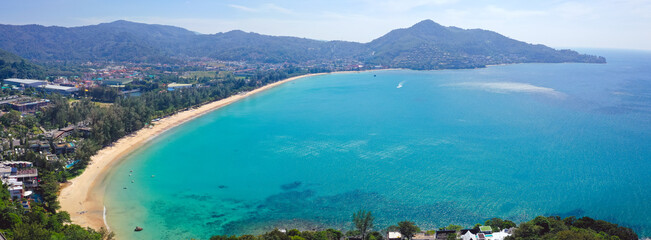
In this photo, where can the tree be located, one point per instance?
(375, 235)
(363, 221)
(333, 234)
(498, 224)
(408, 229)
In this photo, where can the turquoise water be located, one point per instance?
(448, 147)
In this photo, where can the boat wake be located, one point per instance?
(400, 84)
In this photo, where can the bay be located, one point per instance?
(434, 147)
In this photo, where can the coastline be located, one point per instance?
(83, 196)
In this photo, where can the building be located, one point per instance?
(28, 104)
(468, 234)
(16, 190)
(175, 86)
(485, 233)
(19, 176)
(424, 236)
(63, 148)
(63, 90)
(486, 229)
(39, 146)
(25, 82)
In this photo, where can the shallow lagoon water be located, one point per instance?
(448, 147)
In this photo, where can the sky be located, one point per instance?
(621, 24)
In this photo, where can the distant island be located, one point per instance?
(424, 46)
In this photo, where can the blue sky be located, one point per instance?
(594, 24)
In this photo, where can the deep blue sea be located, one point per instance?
(435, 147)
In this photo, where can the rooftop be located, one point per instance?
(24, 81)
(63, 88)
(485, 229)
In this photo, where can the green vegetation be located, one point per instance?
(571, 228)
(426, 45)
(539, 228)
(13, 66)
(108, 122)
(363, 221)
(42, 222)
(408, 229)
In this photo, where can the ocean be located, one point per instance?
(434, 147)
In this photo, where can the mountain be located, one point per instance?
(426, 45)
(12, 65)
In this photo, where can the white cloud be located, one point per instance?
(243, 8)
(573, 10)
(268, 7)
(404, 5)
(276, 8)
(509, 14)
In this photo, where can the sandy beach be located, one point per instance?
(83, 196)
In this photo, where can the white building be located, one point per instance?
(63, 90)
(24, 82)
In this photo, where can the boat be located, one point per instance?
(138, 229)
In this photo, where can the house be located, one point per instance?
(15, 187)
(468, 236)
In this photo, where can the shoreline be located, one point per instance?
(83, 196)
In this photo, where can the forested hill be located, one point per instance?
(15, 66)
(426, 45)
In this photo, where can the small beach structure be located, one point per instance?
(394, 236)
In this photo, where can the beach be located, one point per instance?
(82, 197)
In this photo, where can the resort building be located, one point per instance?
(19, 176)
(39, 146)
(63, 148)
(485, 233)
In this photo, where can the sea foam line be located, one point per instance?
(507, 87)
(104, 218)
